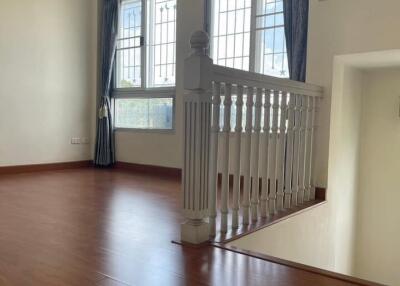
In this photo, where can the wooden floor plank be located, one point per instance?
(110, 282)
(112, 227)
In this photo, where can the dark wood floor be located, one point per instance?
(101, 227)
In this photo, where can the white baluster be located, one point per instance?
(302, 149)
(273, 154)
(296, 149)
(236, 167)
(265, 155)
(289, 152)
(255, 155)
(247, 155)
(314, 131)
(225, 157)
(215, 129)
(307, 171)
(282, 147)
(197, 123)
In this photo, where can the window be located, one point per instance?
(161, 48)
(230, 35)
(249, 35)
(146, 61)
(144, 113)
(129, 48)
(145, 64)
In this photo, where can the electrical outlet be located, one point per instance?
(75, 140)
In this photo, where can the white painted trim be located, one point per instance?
(144, 93)
(252, 55)
(140, 130)
(244, 78)
(145, 35)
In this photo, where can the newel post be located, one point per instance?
(196, 136)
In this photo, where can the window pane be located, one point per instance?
(128, 71)
(279, 40)
(271, 56)
(279, 19)
(162, 43)
(230, 37)
(144, 113)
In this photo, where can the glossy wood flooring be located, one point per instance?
(112, 228)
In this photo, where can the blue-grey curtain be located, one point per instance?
(296, 29)
(105, 149)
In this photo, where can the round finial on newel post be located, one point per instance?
(199, 42)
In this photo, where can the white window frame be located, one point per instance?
(143, 91)
(254, 57)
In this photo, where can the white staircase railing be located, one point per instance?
(270, 164)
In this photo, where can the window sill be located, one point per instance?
(148, 131)
(160, 92)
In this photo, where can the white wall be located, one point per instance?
(343, 168)
(47, 79)
(378, 217)
(305, 239)
(339, 27)
(165, 149)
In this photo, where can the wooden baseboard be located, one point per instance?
(7, 170)
(320, 193)
(319, 271)
(149, 169)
